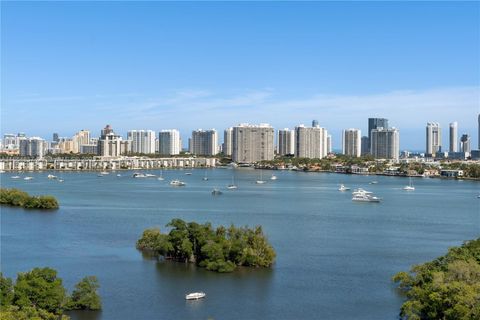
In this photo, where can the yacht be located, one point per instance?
(177, 183)
(365, 198)
(216, 192)
(232, 187)
(410, 186)
(343, 188)
(139, 175)
(28, 178)
(195, 295)
(273, 177)
(361, 191)
(15, 177)
(51, 176)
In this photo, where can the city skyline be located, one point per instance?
(143, 75)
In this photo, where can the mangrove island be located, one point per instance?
(19, 198)
(221, 249)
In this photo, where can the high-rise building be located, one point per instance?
(315, 123)
(252, 143)
(67, 145)
(329, 143)
(80, 138)
(55, 137)
(143, 141)
(111, 144)
(478, 132)
(204, 142)
(365, 146)
(311, 142)
(286, 142)
(33, 147)
(434, 138)
(374, 123)
(169, 142)
(351, 142)
(465, 143)
(227, 141)
(385, 143)
(453, 137)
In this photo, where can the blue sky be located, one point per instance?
(67, 66)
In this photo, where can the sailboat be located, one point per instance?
(161, 178)
(261, 181)
(205, 177)
(410, 186)
(273, 177)
(233, 185)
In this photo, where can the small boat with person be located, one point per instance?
(195, 296)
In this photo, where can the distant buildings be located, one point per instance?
(465, 144)
(453, 147)
(375, 123)
(143, 141)
(112, 145)
(286, 142)
(227, 141)
(365, 149)
(169, 142)
(433, 138)
(33, 147)
(204, 142)
(385, 143)
(252, 143)
(351, 142)
(311, 142)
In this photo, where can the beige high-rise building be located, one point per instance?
(169, 142)
(112, 145)
(385, 143)
(252, 143)
(67, 145)
(311, 142)
(80, 138)
(286, 142)
(434, 138)
(227, 141)
(204, 142)
(351, 142)
(143, 141)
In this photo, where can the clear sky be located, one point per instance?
(67, 66)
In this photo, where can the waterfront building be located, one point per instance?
(204, 142)
(433, 138)
(89, 149)
(111, 144)
(453, 147)
(10, 141)
(311, 142)
(227, 141)
(286, 142)
(33, 147)
(465, 144)
(351, 142)
(329, 143)
(385, 143)
(169, 142)
(375, 123)
(365, 146)
(143, 141)
(252, 143)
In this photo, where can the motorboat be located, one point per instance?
(149, 175)
(365, 198)
(139, 175)
(177, 183)
(188, 173)
(60, 180)
(119, 175)
(161, 178)
(15, 177)
(232, 187)
(28, 178)
(104, 173)
(205, 179)
(343, 188)
(195, 296)
(260, 182)
(51, 176)
(361, 191)
(373, 182)
(216, 192)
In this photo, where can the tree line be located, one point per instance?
(221, 249)
(39, 294)
(446, 288)
(18, 198)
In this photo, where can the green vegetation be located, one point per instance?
(221, 249)
(470, 170)
(446, 288)
(18, 198)
(39, 294)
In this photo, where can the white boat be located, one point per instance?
(139, 175)
(216, 192)
(205, 178)
(15, 177)
(343, 188)
(261, 181)
(2, 171)
(232, 187)
(195, 295)
(410, 186)
(365, 198)
(273, 177)
(177, 183)
(161, 178)
(28, 178)
(149, 175)
(119, 175)
(51, 176)
(104, 173)
(373, 182)
(60, 180)
(361, 191)
(188, 173)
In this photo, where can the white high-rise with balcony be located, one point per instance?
(352, 142)
(169, 142)
(143, 141)
(286, 142)
(252, 143)
(204, 142)
(311, 142)
(453, 137)
(385, 143)
(227, 141)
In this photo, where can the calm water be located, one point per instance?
(335, 257)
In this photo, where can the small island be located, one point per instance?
(19, 198)
(40, 294)
(445, 288)
(221, 249)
